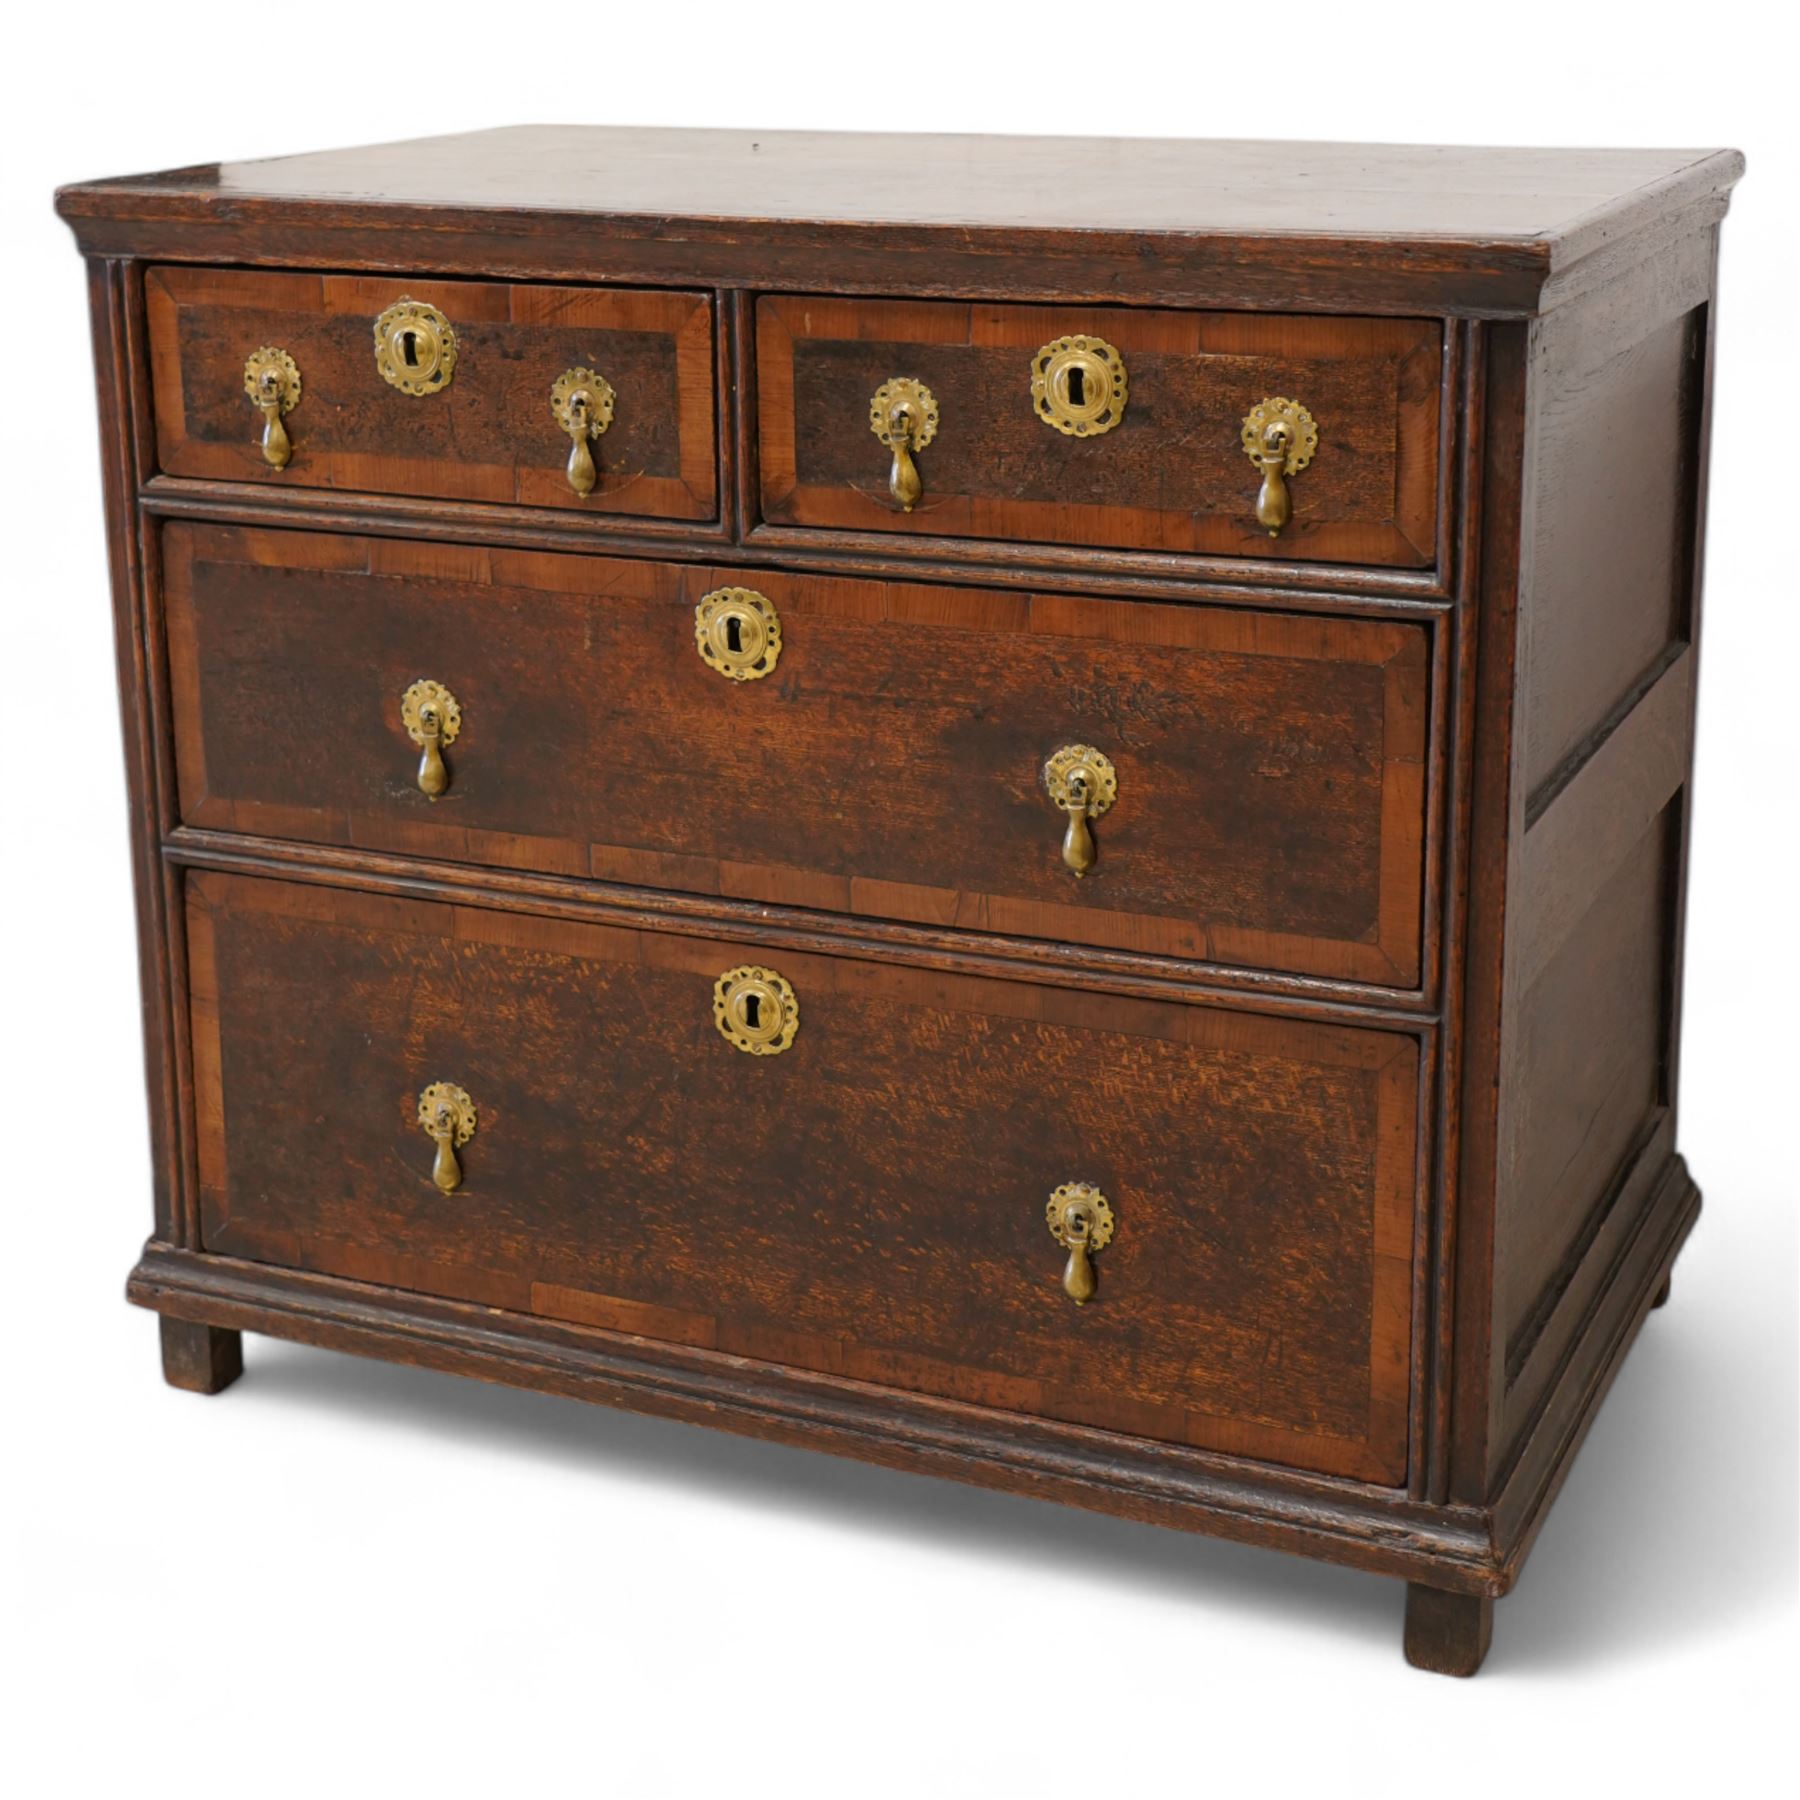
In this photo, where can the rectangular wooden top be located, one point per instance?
(1476, 230)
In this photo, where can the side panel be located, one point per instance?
(1606, 661)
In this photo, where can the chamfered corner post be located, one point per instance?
(1447, 1633)
(203, 1359)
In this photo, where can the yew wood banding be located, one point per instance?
(1272, 809)
(870, 1203)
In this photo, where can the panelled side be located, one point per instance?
(1601, 757)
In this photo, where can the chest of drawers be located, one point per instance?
(1015, 807)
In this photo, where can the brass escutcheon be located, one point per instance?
(1078, 384)
(904, 416)
(415, 349)
(755, 1010)
(272, 380)
(582, 403)
(447, 1117)
(1084, 784)
(1082, 1222)
(738, 632)
(1280, 438)
(432, 718)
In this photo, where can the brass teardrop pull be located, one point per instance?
(272, 380)
(582, 404)
(433, 776)
(1078, 841)
(432, 718)
(1084, 784)
(1273, 506)
(1081, 1221)
(904, 416)
(447, 1117)
(1280, 438)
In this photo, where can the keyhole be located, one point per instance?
(1077, 385)
(409, 348)
(734, 640)
(752, 1011)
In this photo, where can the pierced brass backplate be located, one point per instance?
(432, 718)
(1083, 783)
(1082, 1222)
(447, 1117)
(738, 632)
(582, 403)
(903, 414)
(272, 380)
(1280, 437)
(1078, 384)
(756, 1010)
(415, 348)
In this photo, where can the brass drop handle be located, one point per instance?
(582, 404)
(446, 1171)
(1078, 841)
(433, 719)
(1272, 503)
(276, 446)
(1081, 1220)
(904, 416)
(1279, 436)
(433, 776)
(447, 1117)
(581, 471)
(272, 380)
(903, 479)
(1084, 784)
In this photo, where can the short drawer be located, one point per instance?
(895, 755)
(873, 1199)
(1121, 427)
(457, 390)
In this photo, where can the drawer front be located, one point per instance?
(487, 432)
(1171, 474)
(1268, 770)
(871, 1202)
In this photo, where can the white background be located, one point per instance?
(344, 1578)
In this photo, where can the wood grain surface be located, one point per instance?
(490, 435)
(1172, 475)
(1271, 770)
(869, 1202)
(1290, 226)
(1367, 1020)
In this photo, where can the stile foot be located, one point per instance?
(203, 1359)
(1447, 1633)
(1662, 1293)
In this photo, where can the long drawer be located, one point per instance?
(458, 390)
(873, 1171)
(1239, 788)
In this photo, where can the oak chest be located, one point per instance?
(1017, 807)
